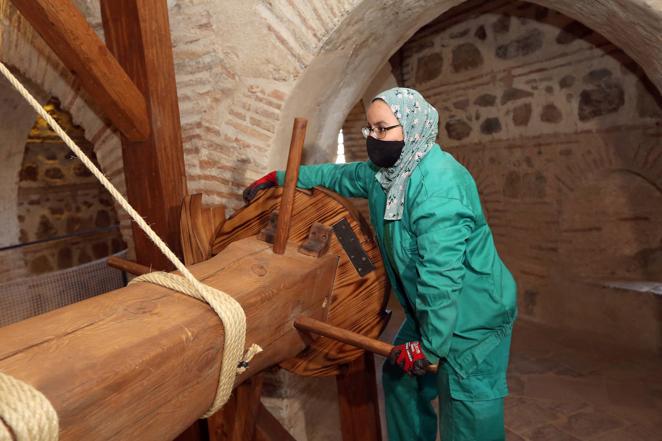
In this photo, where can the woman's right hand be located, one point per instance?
(267, 181)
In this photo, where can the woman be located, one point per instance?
(458, 296)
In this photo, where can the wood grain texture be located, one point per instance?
(195, 432)
(142, 362)
(357, 304)
(138, 34)
(375, 346)
(68, 34)
(358, 401)
(343, 335)
(198, 224)
(128, 266)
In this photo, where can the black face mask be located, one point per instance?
(384, 153)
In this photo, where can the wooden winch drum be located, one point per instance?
(357, 302)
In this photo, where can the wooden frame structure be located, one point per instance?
(131, 79)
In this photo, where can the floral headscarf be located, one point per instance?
(419, 121)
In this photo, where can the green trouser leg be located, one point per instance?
(471, 408)
(409, 412)
(463, 420)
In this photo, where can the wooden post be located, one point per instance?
(69, 35)
(359, 402)
(291, 177)
(237, 420)
(138, 34)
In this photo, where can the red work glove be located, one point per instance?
(267, 181)
(410, 358)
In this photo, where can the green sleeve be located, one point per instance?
(349, 180)
(442, 227)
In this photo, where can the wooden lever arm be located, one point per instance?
(351, 338)
(129, 266)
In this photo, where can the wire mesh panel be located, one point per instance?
(23, 298)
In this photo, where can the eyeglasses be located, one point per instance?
(378, 132)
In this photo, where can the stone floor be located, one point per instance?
(567, 387)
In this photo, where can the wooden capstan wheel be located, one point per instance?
(356, 303)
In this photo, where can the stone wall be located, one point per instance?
(561, 131)
(23, 50)
(66, 218)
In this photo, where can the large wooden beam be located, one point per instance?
(142, 362)
(138, 34)
(67, 32)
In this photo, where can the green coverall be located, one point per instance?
(458, 296)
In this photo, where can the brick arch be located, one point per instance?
(354, 50)
(25, 51)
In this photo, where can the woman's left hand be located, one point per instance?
(410, 358)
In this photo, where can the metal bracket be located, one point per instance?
(353, 248)
(268, 233)
(318, 241)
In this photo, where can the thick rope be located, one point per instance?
(220, 304)
(26, 411)
(228, 309)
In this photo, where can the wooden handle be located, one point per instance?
(129, 266)
(291, 177)
(351, 338)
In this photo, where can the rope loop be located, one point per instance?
(25, 413)
(233, 318)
